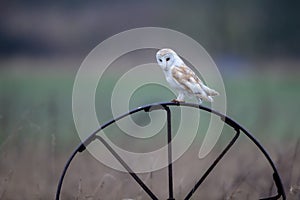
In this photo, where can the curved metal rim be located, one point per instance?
(163, 105)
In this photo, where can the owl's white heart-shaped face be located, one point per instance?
(165, 58)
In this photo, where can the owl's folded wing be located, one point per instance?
(187, 79)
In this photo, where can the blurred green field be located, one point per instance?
(38, 134)
(266, 105)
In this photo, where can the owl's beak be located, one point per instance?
(165, 67)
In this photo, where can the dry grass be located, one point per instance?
(30, 168)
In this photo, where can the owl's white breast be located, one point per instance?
(173, 83)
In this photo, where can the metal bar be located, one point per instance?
(129, 170)
(58, 190)
(170, 164)
(165, 106)
(189, 195)
(276, 177)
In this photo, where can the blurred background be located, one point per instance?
(42, 44)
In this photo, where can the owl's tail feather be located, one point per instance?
(210, 92)
(205, 98)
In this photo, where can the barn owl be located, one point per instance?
(182, 78)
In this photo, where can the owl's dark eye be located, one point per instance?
(167, 59)
(160, 60)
